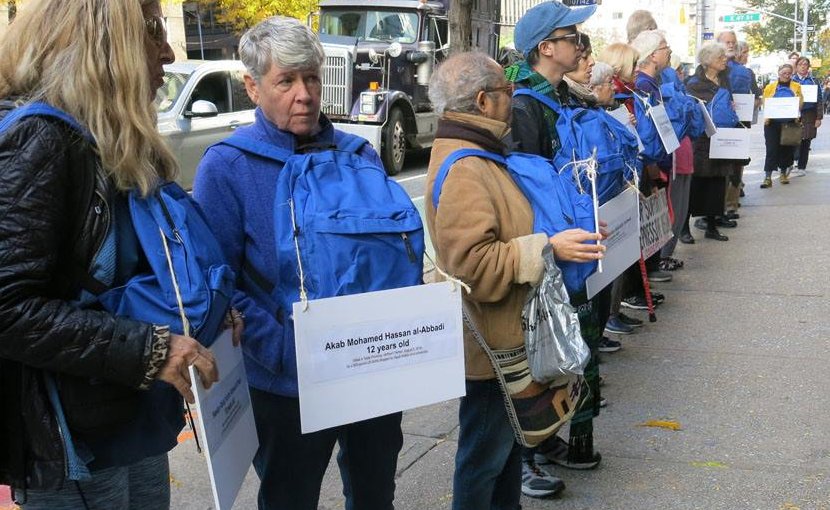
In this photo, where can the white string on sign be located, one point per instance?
(303, 294)
(588, 167)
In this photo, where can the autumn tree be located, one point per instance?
(243, 14)
(776, 34)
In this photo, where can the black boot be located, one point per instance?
(712, 233)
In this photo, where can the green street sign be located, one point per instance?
(748, 17)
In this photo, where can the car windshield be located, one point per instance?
(169, 92)
(371, 25)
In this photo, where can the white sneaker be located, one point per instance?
(538, 483)
(798, 172)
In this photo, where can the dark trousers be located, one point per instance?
(291, 465)
(804, 153)
(778, 156)
(488, 467)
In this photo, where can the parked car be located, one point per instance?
(201, 103)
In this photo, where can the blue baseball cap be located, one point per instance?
(539, 21)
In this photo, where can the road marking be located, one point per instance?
(406, 179)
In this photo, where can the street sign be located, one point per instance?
(708, 36)
(749, 17)
(575, 3)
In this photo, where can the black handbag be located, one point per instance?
(790, 134)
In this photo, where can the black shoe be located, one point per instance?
(630, 321)
(742, 194)
(725, 222)
(701, 223)
(732, 215)
(714, 234)
(608, 345)
(686, 238)
(657, 297)
(635, 303)
(558, 454)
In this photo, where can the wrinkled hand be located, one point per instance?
(633, 119)
(818, 123)
(570, 245)
(182, 352)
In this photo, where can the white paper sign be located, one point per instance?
(624, 117)
(664, 128)
(622, 214)
(655, 225)
(809, 93)
(367, 355)
(744, 106)
(707, 119)
(225, 422)
(781, 108)
(729, 143)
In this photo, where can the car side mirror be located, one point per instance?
(202, 108)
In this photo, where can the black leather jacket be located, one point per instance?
(53, 219)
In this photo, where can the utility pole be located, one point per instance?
(795, 25)
(804, 26)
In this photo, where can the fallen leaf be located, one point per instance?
(711, 463)
(663, 424)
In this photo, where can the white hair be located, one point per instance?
(281, 41)
(456, 83)
(647, 43)
(601, 73)
(710, 52)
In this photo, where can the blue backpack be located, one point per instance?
(204, 280)
(354, 229)
(740, 78)
(653, 149)
(585, 131)
(679, 108)
(556, 204)
(721, 109)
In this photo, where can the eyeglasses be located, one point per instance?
(576, 38)
(504, 88)
(666, 47)
(157, 29)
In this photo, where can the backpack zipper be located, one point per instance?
(410, 252)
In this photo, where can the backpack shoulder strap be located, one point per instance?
(451, 159)
(42, 109)
(545, 100)
(257, 147)
(351, 143)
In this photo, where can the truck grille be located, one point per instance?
(337, 85)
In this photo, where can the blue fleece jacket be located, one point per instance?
(237, 192)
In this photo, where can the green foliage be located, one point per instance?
(776, 34)
(243, 14)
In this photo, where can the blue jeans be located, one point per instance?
(488, 464)
(139, 486)
(291, 465)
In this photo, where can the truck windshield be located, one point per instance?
(371, 25)
(169, 92)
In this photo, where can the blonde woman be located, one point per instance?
(80, 428)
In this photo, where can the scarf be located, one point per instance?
(582, 93)
(523, 74)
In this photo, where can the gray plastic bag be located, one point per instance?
(553, 341)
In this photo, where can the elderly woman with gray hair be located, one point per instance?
(708, 188)
(237, 190)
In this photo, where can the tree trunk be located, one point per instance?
(461, 25)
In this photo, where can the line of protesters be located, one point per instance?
(84, 428)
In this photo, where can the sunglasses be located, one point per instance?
(575, 37)
(156, 29)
